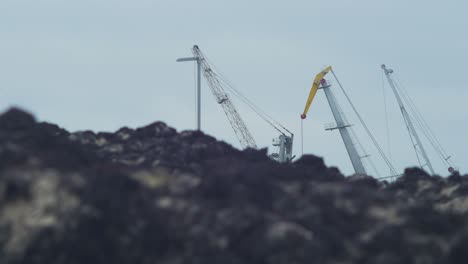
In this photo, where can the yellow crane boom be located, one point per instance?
(313, 90)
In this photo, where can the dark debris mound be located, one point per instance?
(153, 195)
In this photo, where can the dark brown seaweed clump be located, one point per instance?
(153, 195)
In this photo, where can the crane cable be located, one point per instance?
(392, 169)
(408, 120)
(387, 127)
(360, 146)
(302, 136)
(195, 91)
(423, 126)
(253, 108)
(261, 113)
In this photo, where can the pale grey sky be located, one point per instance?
(104, 64)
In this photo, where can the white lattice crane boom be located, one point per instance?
(245, 137)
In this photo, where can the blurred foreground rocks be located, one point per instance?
(153, 195)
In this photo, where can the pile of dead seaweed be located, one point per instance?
(153, 195)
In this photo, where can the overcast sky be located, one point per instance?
(104, 64)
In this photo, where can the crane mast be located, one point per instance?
(343, 128)
(418, 147)
(243, 134)
(341, 124)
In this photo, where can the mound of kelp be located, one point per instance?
(153, 195)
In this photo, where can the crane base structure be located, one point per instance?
(285, 144)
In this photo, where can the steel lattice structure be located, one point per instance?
(243, 134)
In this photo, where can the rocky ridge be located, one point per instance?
(153, 195)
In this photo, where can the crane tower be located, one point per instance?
(343, 128)
(341, 123)
(418, 146)
(284, 142)
(222, 98)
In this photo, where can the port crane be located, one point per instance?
(243, 134)
(217, 86)
(411, 116)
(341, 125)
(348, 136)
